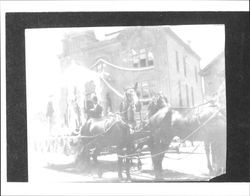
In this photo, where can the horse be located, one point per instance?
(212, 121)
(108, 132)
(168, 123)
(113, 130)
(160, 137)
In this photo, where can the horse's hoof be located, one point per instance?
(120, 178)
(159, 178)
(100, 174)
(129, 179)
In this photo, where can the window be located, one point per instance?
(143, 62)
(192, 91)
(180, 97)
(185, 66)
(187, 95)
(143, 58)
(135, 61)
(177, 61)
(150, 59)
(196, 75)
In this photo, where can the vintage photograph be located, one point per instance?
(126, 104)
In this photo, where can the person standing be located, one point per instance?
(93, 111)
(96, 110)
(50, 114)
(108, 104)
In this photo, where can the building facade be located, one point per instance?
(214, 75)
(153, 57)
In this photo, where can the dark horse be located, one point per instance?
(108, 132)
(167, 123)
(111, 131)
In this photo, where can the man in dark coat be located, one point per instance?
(96, 110)
(50, 114)
(93, 111)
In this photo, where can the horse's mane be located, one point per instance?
(184, 117)
(157, 118)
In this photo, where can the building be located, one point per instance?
(214, 75)
(154, 57)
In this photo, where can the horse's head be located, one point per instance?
(131, 96)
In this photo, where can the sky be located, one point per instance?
(44, 45)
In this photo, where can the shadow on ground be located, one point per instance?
(145, 175)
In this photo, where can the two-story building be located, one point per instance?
(214, 75)
(154, 57)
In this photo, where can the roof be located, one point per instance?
(166, 29)
(115, 36)
(206, 69)
(177, 38)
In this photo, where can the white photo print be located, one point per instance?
(126, 104)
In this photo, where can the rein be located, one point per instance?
(190, 108)
(203, 124)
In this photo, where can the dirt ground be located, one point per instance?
(184, 166)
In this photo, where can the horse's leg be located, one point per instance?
(218, 157)
(128, 169)
(161, 156)
(207, 150)
(139, 148)
(128, 161)
(120, 160)
(82, 157)
(139, 163)
(163, 147)
(153, 151)
(157, 168)
(96, 163)
(156, 159)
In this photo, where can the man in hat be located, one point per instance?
(94, 111)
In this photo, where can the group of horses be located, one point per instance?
(113, 131)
